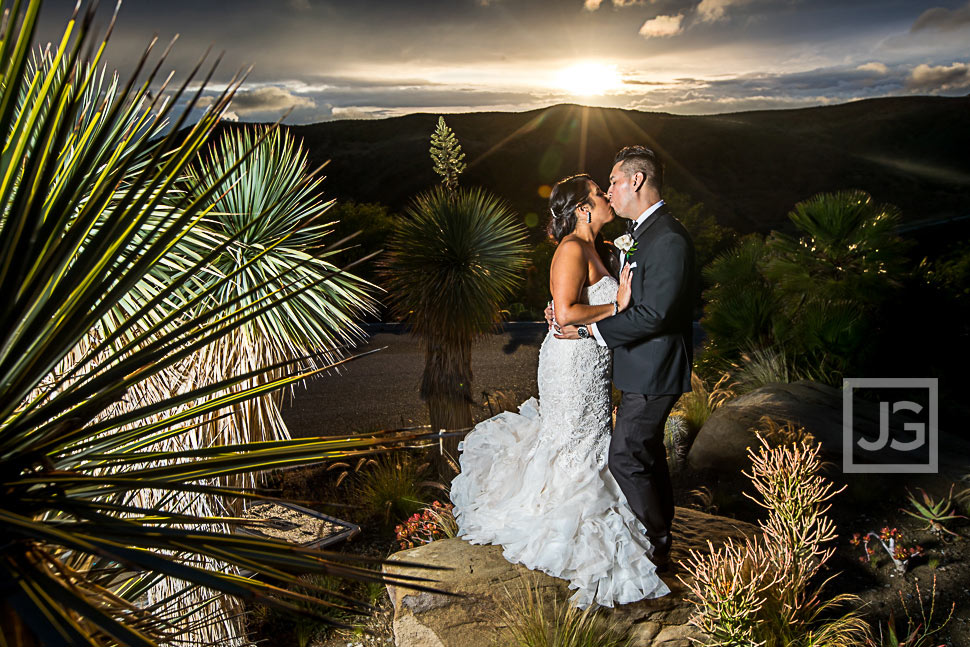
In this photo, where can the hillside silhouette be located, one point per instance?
(748, 168)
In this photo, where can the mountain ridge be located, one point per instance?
(748, 168)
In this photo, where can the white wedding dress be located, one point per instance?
(537, 482)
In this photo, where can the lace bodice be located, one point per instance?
(574, 388)
(603, 291)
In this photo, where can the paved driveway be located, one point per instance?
(380, 391)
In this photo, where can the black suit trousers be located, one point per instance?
(638, 460)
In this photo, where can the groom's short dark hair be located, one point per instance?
(640, 159)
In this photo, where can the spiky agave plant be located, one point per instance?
(75, 239)
(272, 207)
(450, 263)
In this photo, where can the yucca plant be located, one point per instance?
(272, 209)
(78, 235)
(451, 262)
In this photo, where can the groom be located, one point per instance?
(652, 342)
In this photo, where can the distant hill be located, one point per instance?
(748, 168)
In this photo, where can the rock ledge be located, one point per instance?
(483, 579)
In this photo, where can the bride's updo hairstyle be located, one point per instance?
(567, 196)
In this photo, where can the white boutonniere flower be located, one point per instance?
(626, 244)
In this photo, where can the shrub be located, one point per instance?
(816, 297)
(758, 592)
(390, 487)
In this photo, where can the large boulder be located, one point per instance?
(483, 581)
(722, 443)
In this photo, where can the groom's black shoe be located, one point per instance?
(661, 553)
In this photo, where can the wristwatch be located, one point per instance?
(583, 332)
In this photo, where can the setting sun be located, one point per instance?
(588, 79)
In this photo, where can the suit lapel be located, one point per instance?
(651, 221)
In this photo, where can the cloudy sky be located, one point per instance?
(332, 59)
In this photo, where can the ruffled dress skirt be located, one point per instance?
(538, 484)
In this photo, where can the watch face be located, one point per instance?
(583, 332)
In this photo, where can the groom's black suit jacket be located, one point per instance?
(652, 340)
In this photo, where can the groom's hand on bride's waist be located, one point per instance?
(566, 332)
(550, 315)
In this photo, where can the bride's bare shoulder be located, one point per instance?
(569, 248)
(569, 262)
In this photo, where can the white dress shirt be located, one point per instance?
(642, 219)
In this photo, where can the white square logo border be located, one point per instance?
(849, 466)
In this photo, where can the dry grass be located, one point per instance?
(696, 406)
(532, 624)
(702, 499)
(761, 366)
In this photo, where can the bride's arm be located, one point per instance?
(567, 276)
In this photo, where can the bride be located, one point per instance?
(537, 482)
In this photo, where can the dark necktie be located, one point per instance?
(630, 226)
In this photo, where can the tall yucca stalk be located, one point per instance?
(451, 262)
(76, 239)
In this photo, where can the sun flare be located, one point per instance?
(588, 79)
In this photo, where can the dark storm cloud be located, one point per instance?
(268, 100)
(816, 87)
(943, 19)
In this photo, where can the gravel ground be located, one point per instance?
(380, 391)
